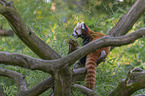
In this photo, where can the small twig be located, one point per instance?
(6, 33)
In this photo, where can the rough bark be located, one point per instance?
(134, 81)
(24, 33)
(60, 65)
(53, 65)
(85, 90)
(63, 81)
(126, 22)
(17, 77)
(26, 62)
(39, 88)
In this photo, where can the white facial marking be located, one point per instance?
(77, 30)
(77, 33)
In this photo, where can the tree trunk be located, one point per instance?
(63, 80)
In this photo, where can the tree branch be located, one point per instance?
(24, 33)
(32, 41)
(17, 77)
(85, 90)
(126, 22)
(21, 84)
(52, 65)
(27, 62)
(134, 81)
(79, 74)
(99, 43)
(39, 88)
(49, 83)
(6, 33)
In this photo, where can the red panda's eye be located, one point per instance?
(76, 32)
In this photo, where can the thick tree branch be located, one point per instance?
(27, 62)
(24, 33)
(79, 74)
(17, 77)
(85, 90)
(39, 47)
(126, 22)
(134, 81)
(39, 88)
(49, 83)
(21, 84)
(102, 42)
(51, 65)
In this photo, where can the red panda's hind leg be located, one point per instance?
(101, 57)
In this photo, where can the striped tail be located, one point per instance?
(90, 65)
(90, 78)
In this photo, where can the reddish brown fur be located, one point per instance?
(91, 60)
(73, 45)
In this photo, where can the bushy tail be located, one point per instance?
(90, 78)
(90, 65)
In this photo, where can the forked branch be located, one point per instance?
(52, 65)
(126, 22)
(8, 10)
(21, 84)
(134, 81)
(26, 62)
(17, 77)
(39, 47)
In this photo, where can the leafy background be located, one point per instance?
(53, 21)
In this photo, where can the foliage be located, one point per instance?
(48, 23)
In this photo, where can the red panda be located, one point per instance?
(83, 31)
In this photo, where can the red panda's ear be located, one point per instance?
(83, 25)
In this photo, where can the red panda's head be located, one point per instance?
(78, 30)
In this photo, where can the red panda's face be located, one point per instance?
(77, 30)
(77, 33)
